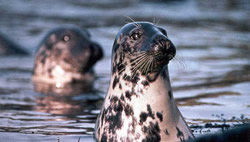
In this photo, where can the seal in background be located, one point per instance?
(66, 55)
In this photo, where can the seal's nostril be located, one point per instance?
(161, 41)
(156, 47)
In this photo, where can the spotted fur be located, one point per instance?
(139, 105)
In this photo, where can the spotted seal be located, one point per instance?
(139, 105)
(8, 47)
(66, 55)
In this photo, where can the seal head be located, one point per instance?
(139, 105)
(66, 55)
(140, 42)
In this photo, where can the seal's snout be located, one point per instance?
(163, 48)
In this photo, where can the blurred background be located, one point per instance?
(210, 74)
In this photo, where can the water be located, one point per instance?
(210, 74)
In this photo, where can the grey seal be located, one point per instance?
(139, 105)
(66, 55)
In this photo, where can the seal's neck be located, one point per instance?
(143, 88)
(146, 100)
(123, 78)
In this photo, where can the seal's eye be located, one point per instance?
(66, 38)
(135, 36)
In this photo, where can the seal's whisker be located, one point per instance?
(134, 69)
(138, 59)
(144, 65)
(146, 68)
(139, 56)
(180, 61)
(149, 65)
(139, 65)
(142, 68)
(158, 21)
(154, 20)
(133, 22)
(142, 59)
(152, 62)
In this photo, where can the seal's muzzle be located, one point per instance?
(163, 49)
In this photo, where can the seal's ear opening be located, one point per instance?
(97, 52)
(163, 31)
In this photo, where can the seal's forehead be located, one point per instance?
(126, 29)
(73, 31)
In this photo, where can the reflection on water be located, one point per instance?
(62, 100)
(210, 74)
(60, 89)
